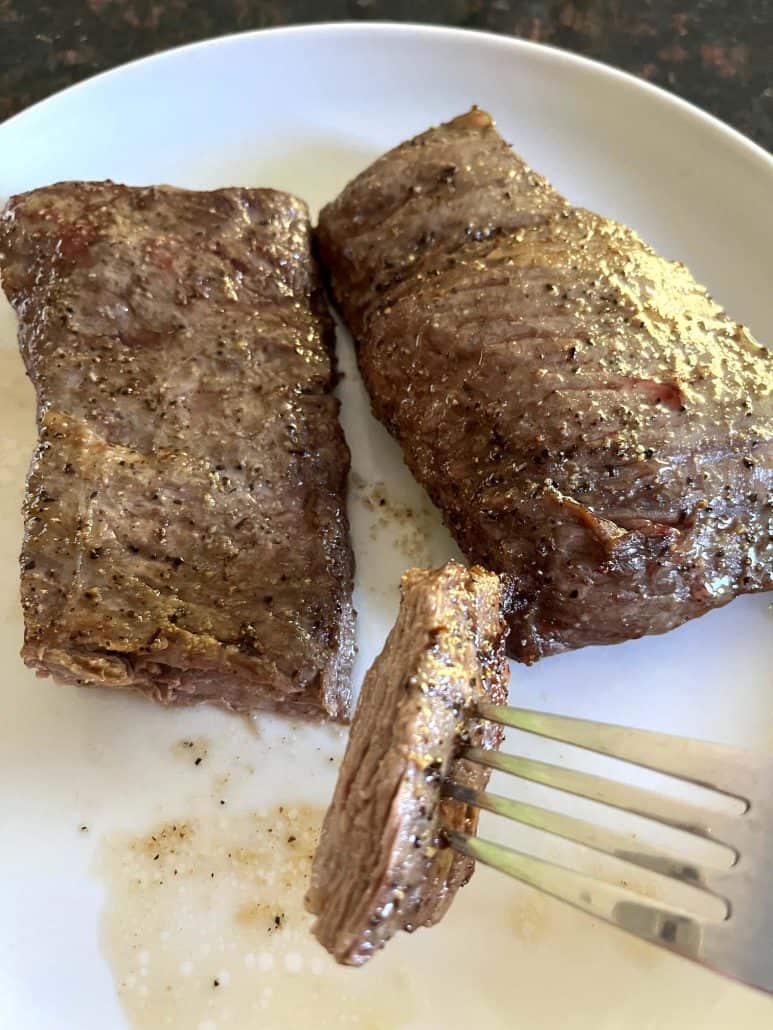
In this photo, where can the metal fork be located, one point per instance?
(738, 939)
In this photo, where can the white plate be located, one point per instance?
(82, 942)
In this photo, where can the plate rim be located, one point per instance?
(730, 135)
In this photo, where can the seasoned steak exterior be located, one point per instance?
(591, 423)
(185, 528)
(381, 865)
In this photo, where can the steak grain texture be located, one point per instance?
(591, 423)
(380, 866)
(185, 529)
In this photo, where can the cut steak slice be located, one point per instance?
(185, 520)
(592, 425)
(381, 866)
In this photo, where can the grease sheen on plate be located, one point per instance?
(115, 765)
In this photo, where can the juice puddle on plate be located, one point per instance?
(204, 927)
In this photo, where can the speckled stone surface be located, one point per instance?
(716, 53)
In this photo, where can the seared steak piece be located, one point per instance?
(592, 425)
(381, 866)
(185, 525)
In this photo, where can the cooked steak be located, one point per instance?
(185, 525)
(592, 425)
(381, 866)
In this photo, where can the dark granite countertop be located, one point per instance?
(716, 53)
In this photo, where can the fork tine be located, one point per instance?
(738, 945)
(649, 804)
(618, 845)
(707, 944)
(697, 761)
(613, 904)
(607, 901)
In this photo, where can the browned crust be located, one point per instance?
(184, 336)
(593, 426)
(381, 865)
